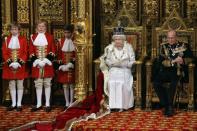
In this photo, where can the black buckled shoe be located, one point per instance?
(11, 108)
(47, 109)
(65, 107)
(114, 110)
(34, 108)
(19, 108)
(169, 112)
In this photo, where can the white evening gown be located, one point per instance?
(120, 78)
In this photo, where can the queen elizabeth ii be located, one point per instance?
(116, 65)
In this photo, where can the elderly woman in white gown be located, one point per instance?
(116, 65)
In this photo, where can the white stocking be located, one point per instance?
(47, 96)
(47, 87)
(71, 93)
(20, 92)
(39, 97)
(66, 94)
(39, 85)
(12, 88)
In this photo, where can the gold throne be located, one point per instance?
(187, 35)
(135, 36)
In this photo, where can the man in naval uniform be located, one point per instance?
(14, 52)
(174, 58)
(66, 60)
(42, 54)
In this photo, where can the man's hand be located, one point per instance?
(116, 64)
(64, 68)
(47, 61)
(178, 60)
(15, 65)
(36, 62)
(124, 63)
(70, 65)
(41, 64)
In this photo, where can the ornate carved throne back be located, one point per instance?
(186, 35)
(135, 36)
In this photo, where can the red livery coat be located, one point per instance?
(21, 72)
(48, 71)
(66, 77)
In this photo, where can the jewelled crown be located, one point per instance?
(118, 30)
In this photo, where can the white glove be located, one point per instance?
(36, 62)
(130, 64)
(15, 65)
(47, 61)
(64, 68)
(108, 62)
(124, 64)
(41, 64)
(70, 65)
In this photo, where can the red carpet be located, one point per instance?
(140, 120)
(89, 105)
(11, 119)
(124, 121)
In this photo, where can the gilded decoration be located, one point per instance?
(83, 40)
(5, 30)
(110, 8)
(23, 11)
(73, 10)
(3, 11)
(81, 9)
(52, 10)
(80, 33)
(109, 11)
(172, 4)
(192, 9)
(25, 32)
(6, 11)
(58, 33)
(151, 9)
(179, 5)
(81, 81)
(132, 7)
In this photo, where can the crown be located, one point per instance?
(118, 30)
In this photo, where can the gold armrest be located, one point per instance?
(148, 84)
(191, 87)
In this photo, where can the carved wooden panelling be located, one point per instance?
(25, 32)
(192, 9)
(51, 10)
(151, 8)
(23, 11)
(110, 8)
(58, 33)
